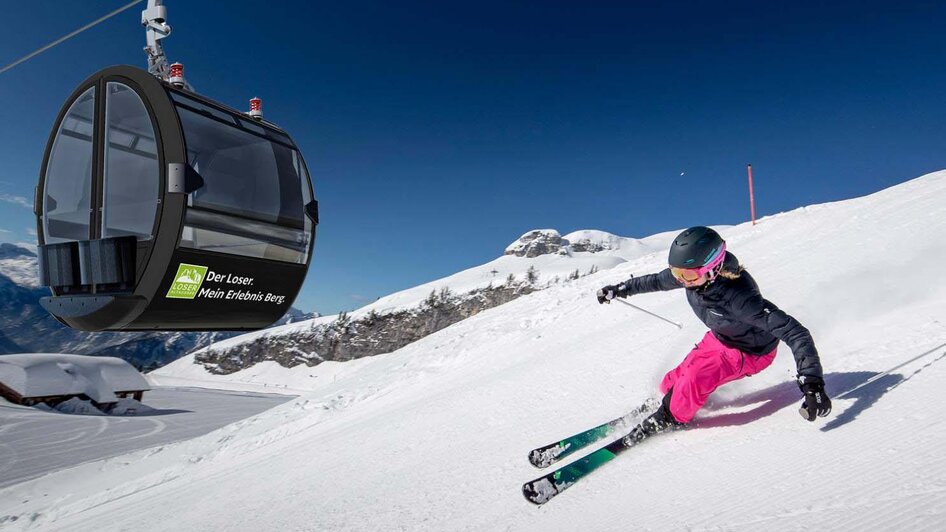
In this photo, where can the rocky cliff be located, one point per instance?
(346, 338)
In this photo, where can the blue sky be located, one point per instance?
(439, 132)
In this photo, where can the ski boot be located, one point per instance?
(660, 421)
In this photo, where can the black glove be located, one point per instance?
(816, 402)
(606, 294)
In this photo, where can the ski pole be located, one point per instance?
(649, 312)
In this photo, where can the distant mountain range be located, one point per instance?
(26, 327)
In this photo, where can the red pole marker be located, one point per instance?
(751, 196)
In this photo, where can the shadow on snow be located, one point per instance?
(865, 387)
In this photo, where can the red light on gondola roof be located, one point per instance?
(177, 75)
(256, 108)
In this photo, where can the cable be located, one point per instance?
(73, 34)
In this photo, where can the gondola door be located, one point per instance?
(100, 203)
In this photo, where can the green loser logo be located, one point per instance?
(187, 281)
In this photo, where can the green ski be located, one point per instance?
(547, 455)
(542, 489)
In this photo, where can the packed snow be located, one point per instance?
(435, 436)
(266, 377)
(35, 441)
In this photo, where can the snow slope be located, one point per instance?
(616, 250)
(434, 436)
(549, 268)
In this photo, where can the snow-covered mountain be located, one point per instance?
(19, 265)
(434, 436)
(537, 260)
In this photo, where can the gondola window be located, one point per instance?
(253, 192)
(131, 166)
(67, 205)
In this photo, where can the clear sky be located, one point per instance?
(438, 132)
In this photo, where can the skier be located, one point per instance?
(744, 331)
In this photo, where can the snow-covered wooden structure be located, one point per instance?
(32, 378)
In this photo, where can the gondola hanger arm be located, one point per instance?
(154, 19)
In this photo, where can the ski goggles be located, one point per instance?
(691, 275)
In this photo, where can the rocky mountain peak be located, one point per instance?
(538, 242)
(548, 241)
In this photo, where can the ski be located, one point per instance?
(547, 455)
(542, 489)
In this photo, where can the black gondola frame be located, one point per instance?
(157, 258)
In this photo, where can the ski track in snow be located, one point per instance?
(434, 436)
(35, 442)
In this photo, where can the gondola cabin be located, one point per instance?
(159, 209)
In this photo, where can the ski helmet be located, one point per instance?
(697, 247)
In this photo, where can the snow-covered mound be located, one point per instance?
(435, 435)
(122, 407)
(78, 406)
(129, 407)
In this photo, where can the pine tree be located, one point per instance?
(341, 323)
(445, 295)
(532, 275)
(431, 300)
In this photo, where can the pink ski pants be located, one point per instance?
(708, 366)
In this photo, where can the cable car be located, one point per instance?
(160, 209)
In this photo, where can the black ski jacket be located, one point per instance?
(739, 316)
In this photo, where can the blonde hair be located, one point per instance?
(730, 274)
